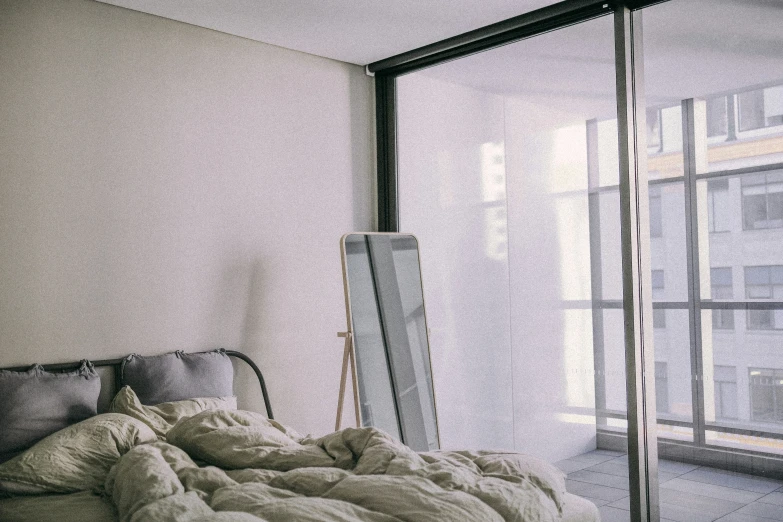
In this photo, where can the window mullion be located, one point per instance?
(637, 287)
(694, 158)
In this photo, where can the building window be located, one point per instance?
(762, 200)
(721, 286)
(764, 282)
(659, 318)
(717, 117)
(664, 129)
(654, 130)
(718, 213)
(766, 394)
(656, 216)
(657, 285)
(725, 378)
(659, 314)
(760, 108)
(662, 387)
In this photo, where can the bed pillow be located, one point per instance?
(37, 403)
(77, 458)
(178, 376)
(164, 416)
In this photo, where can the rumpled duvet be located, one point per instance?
(240, 466)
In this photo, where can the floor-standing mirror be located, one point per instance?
(387, 323)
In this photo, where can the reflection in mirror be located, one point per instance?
(385, 307)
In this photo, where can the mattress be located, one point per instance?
(78, 507)
(578, 509)
(74, 507)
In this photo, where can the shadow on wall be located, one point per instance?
(254, 325)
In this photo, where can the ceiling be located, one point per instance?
(353, 31)
(735, 45)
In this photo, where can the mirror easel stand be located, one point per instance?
(349, 364)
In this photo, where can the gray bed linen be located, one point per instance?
(178, 376)
(75, 507)
(37, 403)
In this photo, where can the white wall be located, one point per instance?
(165, 187)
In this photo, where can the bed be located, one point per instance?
(171, 445)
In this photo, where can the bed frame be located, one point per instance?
(116, 366)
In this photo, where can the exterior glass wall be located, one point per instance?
(717, 133)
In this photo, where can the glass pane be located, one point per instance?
(614, 357)
(608, 248)
(451, 152)
(716, 56)
(668, 249)
(717, 116)
(745, 387)
(508, 175)
(751, 110)
(656, 213)
(673, 375)
(666, 160)
(654, 129)
(718, 200)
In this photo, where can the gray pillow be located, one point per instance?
(179, 376)
(37, 403)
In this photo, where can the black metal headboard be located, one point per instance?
(116, 365)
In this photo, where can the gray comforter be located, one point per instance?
(249, 468)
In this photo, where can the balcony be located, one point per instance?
(688, 492)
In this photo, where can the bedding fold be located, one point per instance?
(245, 463)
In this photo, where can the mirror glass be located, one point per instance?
(386, 315)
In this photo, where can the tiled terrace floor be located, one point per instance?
(689, 493)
